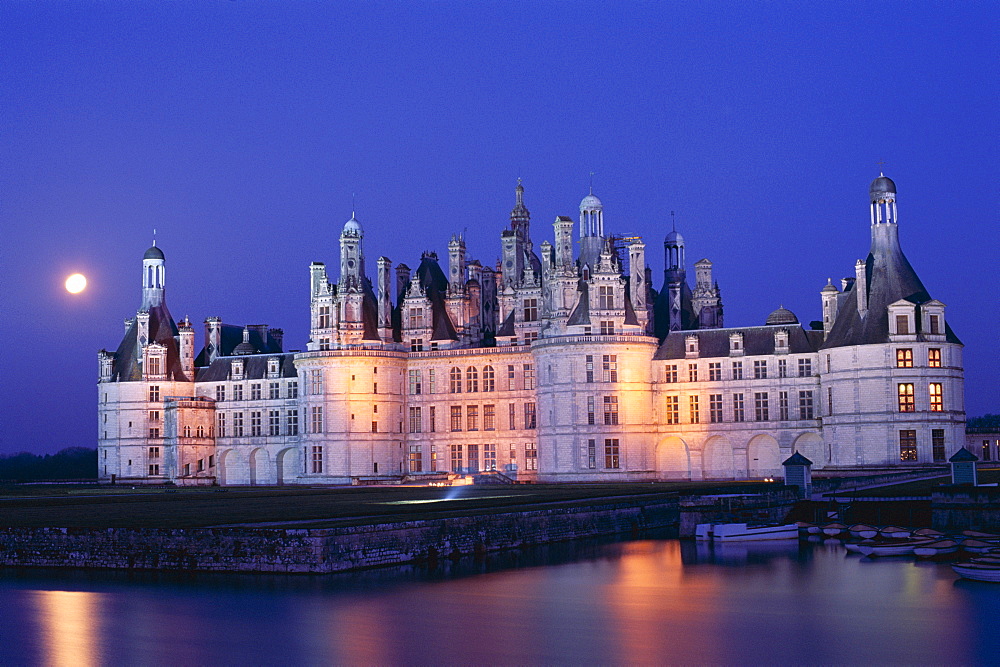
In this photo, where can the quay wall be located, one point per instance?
(956, 508)
(323, 550)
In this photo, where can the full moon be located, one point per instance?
(76, 283)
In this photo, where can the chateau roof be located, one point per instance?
(162, 330)
(254, 367)
(232, 336)
(756, 341)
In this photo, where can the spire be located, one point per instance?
(520, 218)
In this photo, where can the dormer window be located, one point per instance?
(736, 344)
(272, 367)
(781, 341)
(237, 369)
(902, 320)
(690, 346)
(933, 318)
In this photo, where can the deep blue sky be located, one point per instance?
(240, 129)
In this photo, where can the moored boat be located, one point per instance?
(895, 548)
(980, 534)
(978, 571)
(936, 548)
(929, 532)
(833, 529)
(978, 546)
(863, 530)
(741, 532)
(855, 547)
(894, 532)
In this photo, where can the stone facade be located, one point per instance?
(548, 366)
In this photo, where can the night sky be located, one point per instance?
(240, 129)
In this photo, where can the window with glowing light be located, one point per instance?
(934, 357)
(937, 397)
(904, 392)
(908, 445)
(694, 410)
(904, 357)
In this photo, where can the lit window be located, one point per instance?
(904, 391)
(934, 357)
(907, 445)
(937, 399)
(904, 358)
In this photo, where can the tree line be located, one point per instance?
(70, 463)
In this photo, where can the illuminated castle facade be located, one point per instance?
(550, 366)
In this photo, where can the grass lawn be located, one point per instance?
(158, 507)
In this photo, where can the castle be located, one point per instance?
(550, 366)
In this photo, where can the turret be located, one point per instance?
(213, 337)
(456, 264)
(829, 296)
(591, 230)
(185, 335)
(564, 241)
(352, 260)
(385, 299)
(153, 277)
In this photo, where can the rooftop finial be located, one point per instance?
(673, 223)
(880, 164)
(591, 182)
(353, 208)
(154, 237)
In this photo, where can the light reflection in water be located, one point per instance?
(68, 627)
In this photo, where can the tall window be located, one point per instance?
(415, 421)
(760, 369)
(530, 420)
(220, 393)
(607, 328)
(612, 454)
(715, 408)
(456, 418)
(591, 453)
(432, 420)
(693, 410)
(673, 413)
(715, 371)
(589, 367)
(904, 358)
(255, 391)
(324, 318)
(738, 414)
(610, 410)
(237, 392)
(434, 458)
(904, 391)
(489, 417)
(907, 445)
(489, 456)
(273, 422)
(220, 424)
(316, 419)
(510, 377)
(783, 405)
(455, 376)
(606, 298)
(416, 460)
(591, 420)
(529, 376)
(937, 399)
(935, 324)
(805, 368)
(456, 458)
(255, 423)
(670, 373)
(510, 417)
(489, 379)
(414, 375)
(292, 390)
(472, 418)
(317, 459)
(416, 318)
(902, 328)
(238, 424)
(273, 390)
(471, 380)
(610, 365)
(806, 405)
(760, 406)
(530, 310)
(737, 370)
(934, 357)
(316, 378)
(782, 368)
(292, 422)
(692, 372)
(154, 393)
(430, 380)
(530, 456)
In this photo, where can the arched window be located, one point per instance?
(201, 431)
(187, 431)
(471, 380)
(455, 375)
(489, 379)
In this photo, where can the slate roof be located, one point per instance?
(231, 336)
(963, 455)
(661, 311)
(756, 341)
(581, 313)
(889, 278)
(162, 330)
(254, 367)
(796, 459)
(435, 285)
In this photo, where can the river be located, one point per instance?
(642, 602)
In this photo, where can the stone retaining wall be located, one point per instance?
(248, 549)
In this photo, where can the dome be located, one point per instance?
(244, 348)
(352, 226)
(881, 186)
(782, 316)
(591, 201)
(153, 253)
(674, 238)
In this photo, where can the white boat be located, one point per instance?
(741, 532)
(863, 531)
(929, 532)
(703, 532)
(978, 546)
(833, 529)
(936, 548)
(904, 548)
(895, 532)
(980, 534)
(978, 571)
(855, 547)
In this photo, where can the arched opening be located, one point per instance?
(673, 460)
(258, 467)
(810, 445)
(232, 468)
(287, 466)
(763, 457)
(718, 458)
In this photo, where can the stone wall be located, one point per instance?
(247, 549)
(959, 508)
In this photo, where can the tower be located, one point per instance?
(153, 277)
(591, 229)
(705, 300)
(351, 256)
(674, 278)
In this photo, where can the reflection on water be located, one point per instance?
(650, 601)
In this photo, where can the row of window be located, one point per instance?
(463, 458)
(672, 372)
(256, 392)
(935, 393)
(233, 424)
(472, 380)
(761, 408)
(908, 445)
(237, 368)
(904, 357)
